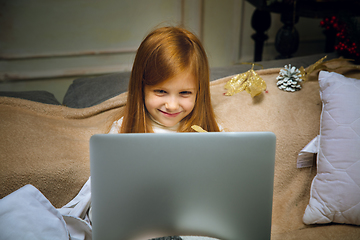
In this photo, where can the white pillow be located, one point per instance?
(335, 190)
(27, 214)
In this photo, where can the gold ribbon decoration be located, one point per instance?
(249, 81)
(198, 128)
(321, 65)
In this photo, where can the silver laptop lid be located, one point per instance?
(208, 184)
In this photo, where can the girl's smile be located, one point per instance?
(170, 114)
(172, 100)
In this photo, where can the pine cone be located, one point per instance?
(289, 79)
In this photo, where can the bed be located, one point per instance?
(46, 143)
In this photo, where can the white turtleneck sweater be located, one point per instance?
(157, 127)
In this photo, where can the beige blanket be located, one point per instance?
(48, 146)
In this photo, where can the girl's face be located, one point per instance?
(170, 101)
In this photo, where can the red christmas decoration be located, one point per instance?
(347, 43)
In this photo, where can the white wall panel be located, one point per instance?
(50, 38)
(73, 27)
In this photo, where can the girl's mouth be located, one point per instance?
(169, 114)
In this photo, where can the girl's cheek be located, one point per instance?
(190, 105)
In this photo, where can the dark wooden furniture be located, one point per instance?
(287, 38)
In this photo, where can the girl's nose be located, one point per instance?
(172, 104)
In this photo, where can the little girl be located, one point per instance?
(169, 86)
(168, 92)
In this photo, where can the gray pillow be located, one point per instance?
(37, 96)
(89, 91)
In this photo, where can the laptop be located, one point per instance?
(218, 185)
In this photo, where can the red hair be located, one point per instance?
(163, 54)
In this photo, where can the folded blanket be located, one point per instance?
(48, 146)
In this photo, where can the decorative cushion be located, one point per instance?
(89, 91)
(335, 190)
(27, 214)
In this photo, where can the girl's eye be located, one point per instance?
(159, 91)
(185, 93)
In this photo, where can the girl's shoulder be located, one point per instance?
(116, 126)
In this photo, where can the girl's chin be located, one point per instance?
(165, 121)
(169, 124)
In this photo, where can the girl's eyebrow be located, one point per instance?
(190, 88)
(167, 89)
